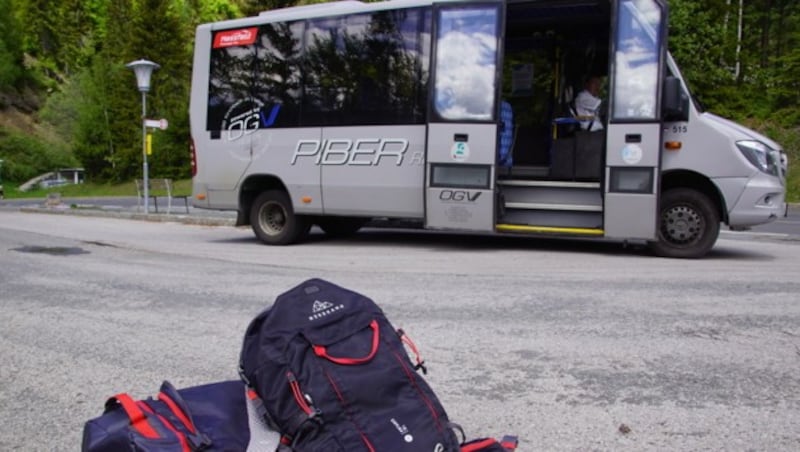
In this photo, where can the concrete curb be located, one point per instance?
(201, 220)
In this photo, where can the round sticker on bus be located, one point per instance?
(460, 151)
(632, 154)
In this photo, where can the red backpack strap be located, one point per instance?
(407, 340)
(509, 443)
(478, 445)
(135, 414)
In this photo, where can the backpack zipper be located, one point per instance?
(344, 405)
(422, 395)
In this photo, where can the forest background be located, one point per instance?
(67, 99)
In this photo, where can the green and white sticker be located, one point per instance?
(460, 151)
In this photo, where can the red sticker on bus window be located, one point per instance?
(240, 37)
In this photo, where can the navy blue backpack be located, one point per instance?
(334, 375)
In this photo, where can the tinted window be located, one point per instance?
(231, 79)
(363, 69)
(278, 80)
(367, 69)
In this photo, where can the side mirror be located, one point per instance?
(675, 105)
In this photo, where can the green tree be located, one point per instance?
(254, 7)
(94, 142)
(159, 34)
(200, 12)
(698, 41)
(11, 70)
(108, 111)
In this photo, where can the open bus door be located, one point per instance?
(633, 142)
(462, 116)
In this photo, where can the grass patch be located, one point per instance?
(89, 190)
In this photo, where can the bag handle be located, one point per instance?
(322, 352)
(135, 414)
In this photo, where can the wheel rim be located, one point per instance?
(682, 225)
(272, 218)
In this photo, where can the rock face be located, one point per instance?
(13, 119)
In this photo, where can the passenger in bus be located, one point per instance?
(588, 103)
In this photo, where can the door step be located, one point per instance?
(548, 184)
(521, 228)
(551, 206)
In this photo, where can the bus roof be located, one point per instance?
(317, 10)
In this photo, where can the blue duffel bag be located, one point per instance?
(212, 417)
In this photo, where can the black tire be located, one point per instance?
(688, 224)
(273, 220)
(341, 226)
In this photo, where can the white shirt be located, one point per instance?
(587, 105)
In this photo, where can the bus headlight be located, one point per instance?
(760, 156)
(784, 162)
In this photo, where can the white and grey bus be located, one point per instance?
(334, 114)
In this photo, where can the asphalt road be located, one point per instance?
(568, 344)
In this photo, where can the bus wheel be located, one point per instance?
(688, 224)
(341, 226)
(273, 219)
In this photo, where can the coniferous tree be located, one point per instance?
(11, 69)
(158, 34)
(41, 37)
(108, 140)
(254, 7)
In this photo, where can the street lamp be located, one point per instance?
(143, 69)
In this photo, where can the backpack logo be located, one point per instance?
(323, 308)
(320, 306)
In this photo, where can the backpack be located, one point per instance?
(333, 375)
(211, 417)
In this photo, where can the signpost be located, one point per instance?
(153, 124)
(156, 123)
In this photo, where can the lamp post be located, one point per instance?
(143, 69)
